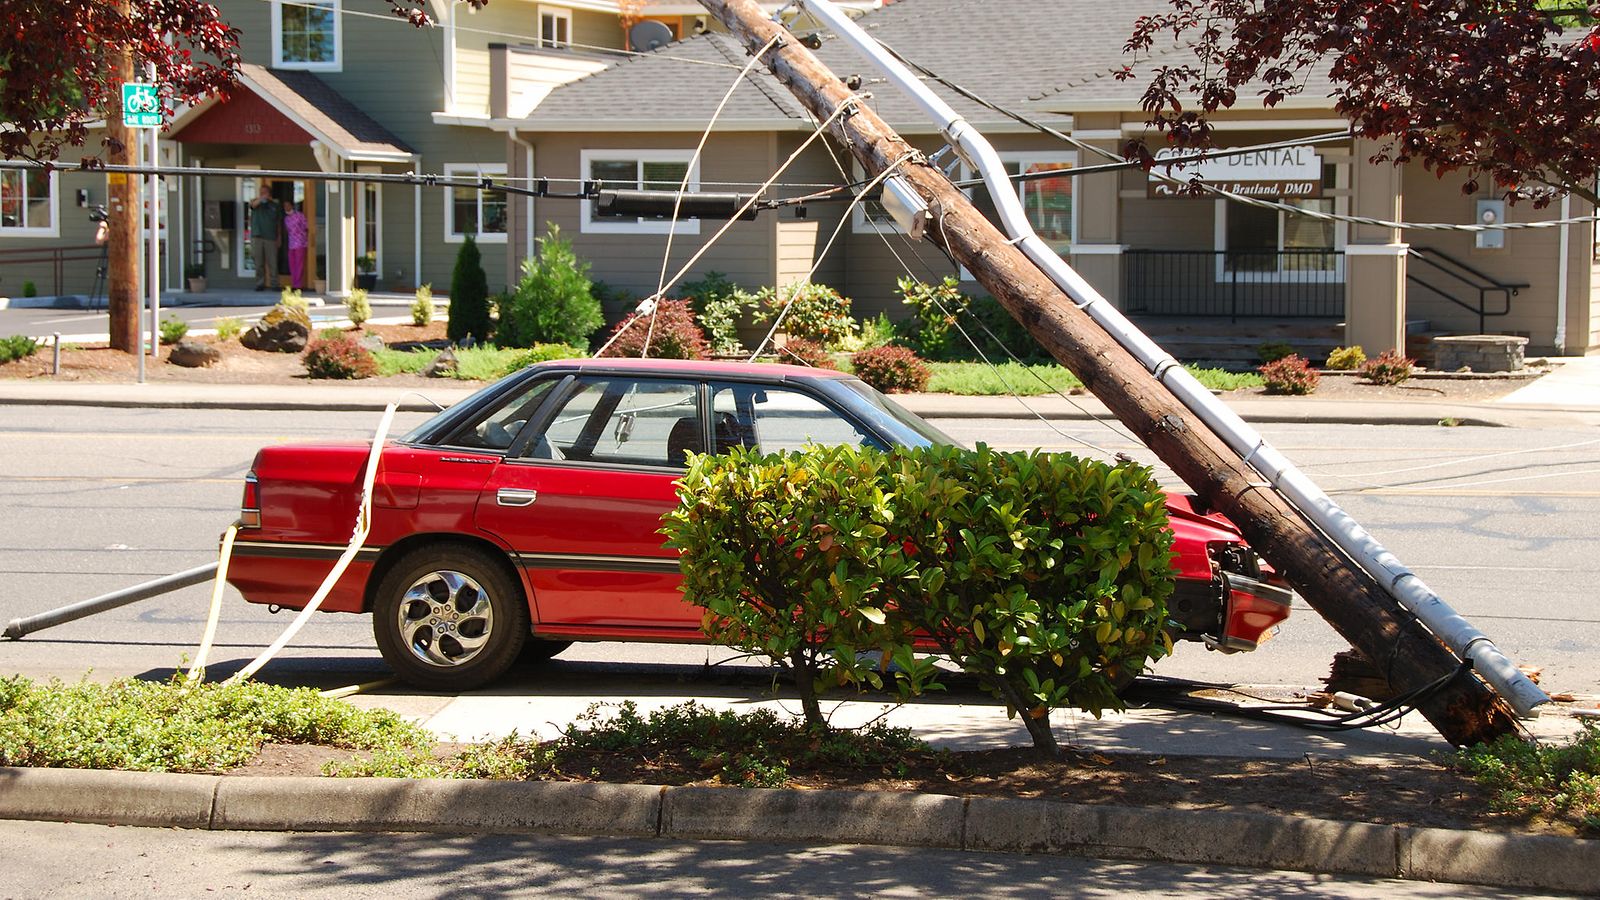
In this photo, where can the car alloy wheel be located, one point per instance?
(450, 617)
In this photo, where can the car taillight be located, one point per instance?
(250, 507)
(1251, 609)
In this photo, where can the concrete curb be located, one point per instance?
(1258, 840)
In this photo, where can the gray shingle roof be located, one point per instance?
(310, 99)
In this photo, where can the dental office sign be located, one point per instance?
(1282, 173)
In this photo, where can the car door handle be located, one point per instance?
(515, 497)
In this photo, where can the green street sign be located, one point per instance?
(141, 105)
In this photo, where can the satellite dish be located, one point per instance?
(649, 34)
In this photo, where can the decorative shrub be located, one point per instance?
(339, 357)
(552, 303)
(539, 353)
(469, 295)
(173, 329)
(939, 308)
(422, 307)
(17, 347)
(294, 300)
(1044, 575)
(1346, 359)
(357, 308)
(228, 328)
(1290, 375)
(29, 289)
(1387, 368)
(877, 332)
(816, 312)
(675, 335)
(891, 369)
(719, 304)
(802, 352)
(1272, 351)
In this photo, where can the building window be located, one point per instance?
(555, 28)
(650, 170)
(472, 210)
(369, 219)
(1047, 200)
(305, 34)
(27, 203)
(1267, 244)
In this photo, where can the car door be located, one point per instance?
(580, 500)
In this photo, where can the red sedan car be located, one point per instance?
(525, 517)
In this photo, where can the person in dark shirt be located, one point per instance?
(265, 230)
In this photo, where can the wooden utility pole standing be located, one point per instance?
(1464, 711)
(123, 213)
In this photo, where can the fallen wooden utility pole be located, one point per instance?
(1464, 710)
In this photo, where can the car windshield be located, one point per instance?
(899, 415)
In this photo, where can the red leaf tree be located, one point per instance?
(1499, 90)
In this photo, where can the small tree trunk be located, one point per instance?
(805, 681)
(1044, 738)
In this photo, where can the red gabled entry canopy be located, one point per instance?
(246, 118)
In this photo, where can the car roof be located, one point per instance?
(713, 368)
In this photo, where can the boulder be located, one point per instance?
(285, 329)
(193, 355)
(370, 341)
(443, 365)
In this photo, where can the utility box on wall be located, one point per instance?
(1491, 212)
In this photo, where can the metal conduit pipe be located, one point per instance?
(1464, 639)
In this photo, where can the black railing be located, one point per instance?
(1286, 284)
(55, 257)
(1463, 278)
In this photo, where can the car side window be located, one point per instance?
(778, 420)
(625, 421)
(498, 429)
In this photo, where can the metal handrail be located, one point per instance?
(57, 257)
(1484, 285)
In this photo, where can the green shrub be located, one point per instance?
(1346, 359)
(339, 357)
(173, 727)
(891, 369)
(294, 300)
(939, 309)
(330, 332)
(422, 307)
(876, 332)
(552, 303)
(469, 295)
(229, 327)
(1289, 375)
(402, 362)
(1044, 575)
(719, 304)
(17, 347)
(816, 312)
(674, 335)
(1560, 780)
(1387, 368)
(29, 289)
(357, 309)
(1272, 351)
(173, 329)
(539, 353)
(802, 352)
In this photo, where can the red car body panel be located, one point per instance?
(588, 552)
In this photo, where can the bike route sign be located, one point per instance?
(141, 105)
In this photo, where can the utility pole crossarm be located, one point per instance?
(1464, 710)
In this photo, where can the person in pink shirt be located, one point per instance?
(295, 225)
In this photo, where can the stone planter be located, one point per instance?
(1479, 353)
(197, 285)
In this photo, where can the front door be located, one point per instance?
(581, 501)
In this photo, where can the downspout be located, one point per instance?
(1561, 278)
(416, 220)
(1465, 640)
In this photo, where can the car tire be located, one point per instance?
(449, 618)
(542, 650)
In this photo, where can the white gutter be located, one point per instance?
(1560, 340)
(1457, 633)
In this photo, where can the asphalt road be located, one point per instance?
(97, 861)
(1500, 521)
